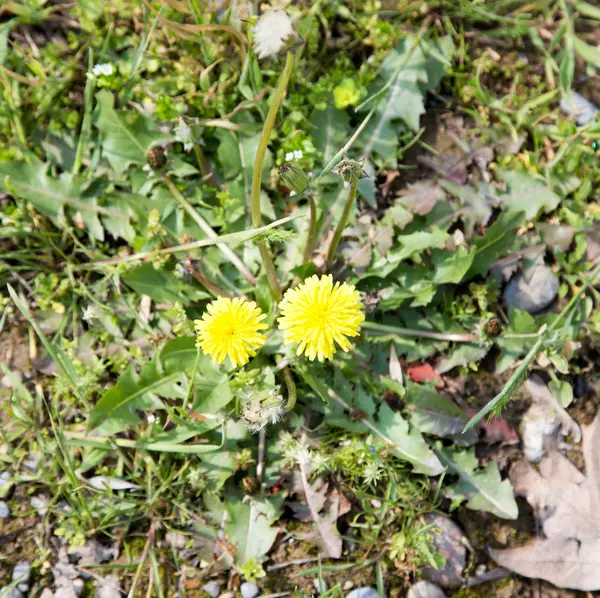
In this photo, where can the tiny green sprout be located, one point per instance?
(293, 177)
(251, 570)
(350, 170)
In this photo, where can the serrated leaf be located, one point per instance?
(451, 266)
(134, 391)
(414, 243)
(431, 414)
(524, 193)
(498, 240)
(484, 489)
(124, 142)
(405, 444)
(404, 98)
(250, 527)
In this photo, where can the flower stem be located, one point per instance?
(343, 221)
(291, 388)
(312, 228)
(261, 150)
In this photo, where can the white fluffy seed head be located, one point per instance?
(271, 32)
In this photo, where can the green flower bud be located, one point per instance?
(350, 170)
(293, 177)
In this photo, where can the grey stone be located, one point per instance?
(12, 593)
(227, 595)
(22, 573)
(449, 540)
(212, 588)
(32, 462)
(533, 290)
(365, 592)
(109, 587)
(249, 590)
(425, 589)
(4, 510)
(40, 504)
(581, 107)
(47, 593)
(78, 585)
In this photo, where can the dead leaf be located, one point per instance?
(421, 197)
(325, 534)
(567, 502)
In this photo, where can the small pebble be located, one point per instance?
(533, 290)
(249, 590)
(4, 510)
(580, 106)
(47, 593)
(212, 588)
(12, 593)
(22, 573)
(227, 595)
(425, 589)
(78, 585)
(363, 593)
(40, 504)
(32, 462)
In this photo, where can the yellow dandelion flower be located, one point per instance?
(231, 328)
(318, 313)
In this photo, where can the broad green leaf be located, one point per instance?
(329, 130)
(484, 489)
(404, 444)
(162, 285)
(498, 240)
(462, 355)
(134, 391)
(50, 195)
(250, 527)
(124, 142)
(451, 266)
(524, 193)
(414, 243)
(431, 414)
(217, 399)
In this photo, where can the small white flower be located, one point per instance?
(271, 32)
(151, 418)
(289, 156)
(183, 134)
(298, 154)
(105, 69)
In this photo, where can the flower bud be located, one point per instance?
(350, 170)
(293, 177)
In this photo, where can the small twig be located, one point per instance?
(291, 564)
(138, 571)
(411, 332)
(261, 455)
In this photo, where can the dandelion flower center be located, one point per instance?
(231, 328)
(318, 315)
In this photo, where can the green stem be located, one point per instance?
(261, 150)
(343, 221)
(291, 388)
(86, 124)
(207, 229)
(411, 332)
(312, 229)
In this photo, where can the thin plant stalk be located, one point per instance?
(207, 229)
(261, 150)
(412, 332)
(312, 229)
(86, 124)
(343, 221)
(291, 388)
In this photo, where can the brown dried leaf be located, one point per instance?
(568, 502)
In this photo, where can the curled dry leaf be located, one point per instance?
(567, 503)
